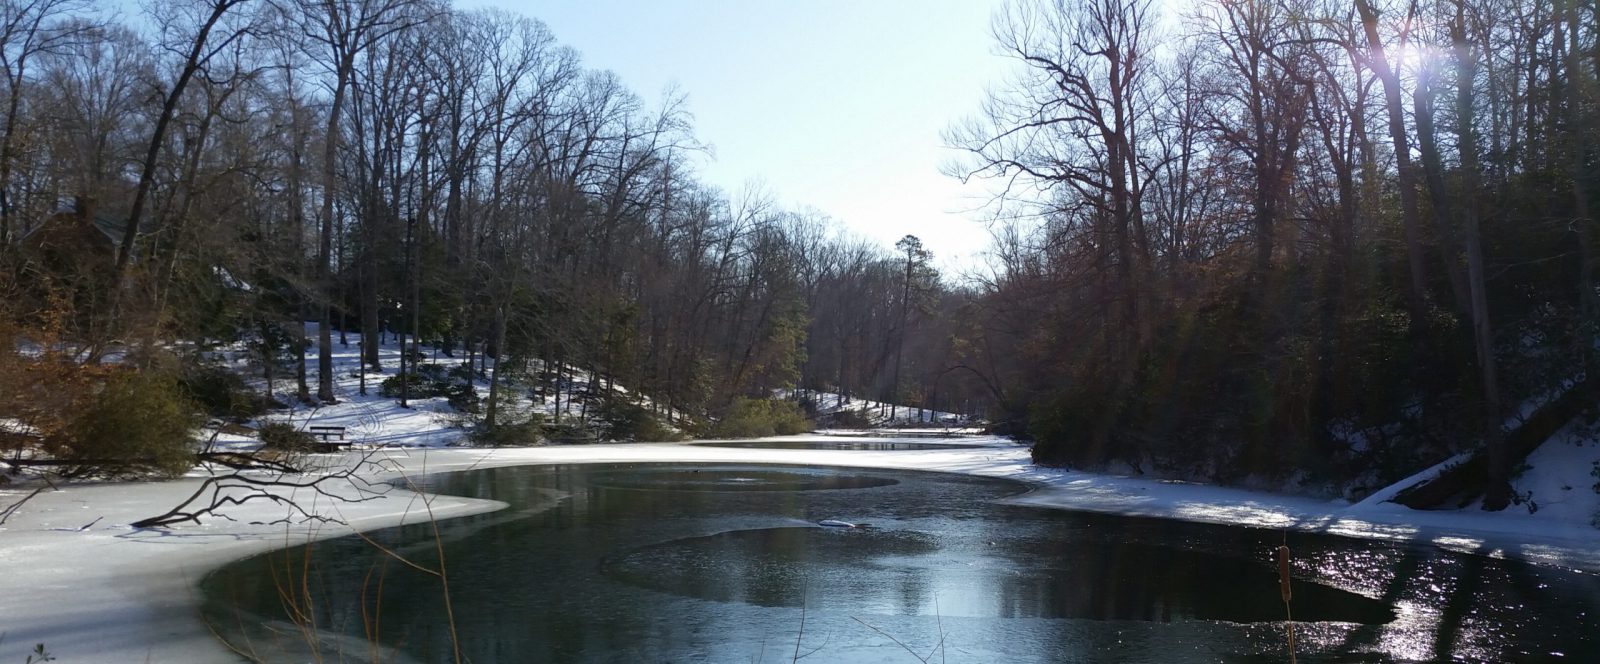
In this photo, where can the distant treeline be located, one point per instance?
(402, 166)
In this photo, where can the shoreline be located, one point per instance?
(109, 592)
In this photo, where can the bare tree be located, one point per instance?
(200, 50)
(342, 30)
(28, 28)
(1467, 54)
(1416, 293)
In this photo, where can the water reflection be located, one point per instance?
(662, 563)
(1060, 577)
(741, 479)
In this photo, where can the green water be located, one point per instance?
(724, 563)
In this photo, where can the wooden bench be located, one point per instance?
(332, 438)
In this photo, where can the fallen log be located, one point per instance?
(1463, 483)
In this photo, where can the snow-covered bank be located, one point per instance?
(110, 593)
(829, 406)
(92, 589)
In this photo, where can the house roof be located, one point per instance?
(112, 228)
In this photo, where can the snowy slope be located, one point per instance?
(1559, 484)
(373, 420)
(1557, 487)
(875, 413)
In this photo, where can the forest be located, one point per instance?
(1325, 242)
(1309, 243)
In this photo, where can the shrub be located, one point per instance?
(511, 434)
(139, 422)
(810, 406)
(754, 418)
(391, 387)
(517, 421)
(223, 393)
(851, 419)
(430, 380)
(696, 427)
(432, 372)
(571, 432)
(463, 372)
(284, 436)
(789, 421)
(618, 419)
(464, 398)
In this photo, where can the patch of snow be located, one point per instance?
(1388, 493)
(1556, 490)
(1559, 483)
(877, 413)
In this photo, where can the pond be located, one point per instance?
(726, 563)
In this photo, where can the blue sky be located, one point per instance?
(829, 104)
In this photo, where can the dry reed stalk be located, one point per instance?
(1287, 594)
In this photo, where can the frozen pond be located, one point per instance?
(725, 563)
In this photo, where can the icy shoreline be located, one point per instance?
(92, 589)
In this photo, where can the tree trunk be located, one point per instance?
(268, 362)
(147, 174)
(297, 243)
(1433, 175)
(371, 326)
(1578, 126)
(490, 420)
(330, 154)
(1497, 492)
(405, 380)
(1330, 307)
(7, 153)
(418, 222)
(1416, 293)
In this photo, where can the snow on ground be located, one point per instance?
(80, 580)
(368, 418)
(1558, 486)
(904, 432)
(374, 420)
(875, 413)
(1555, 490)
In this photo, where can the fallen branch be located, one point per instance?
(14, 507)
(243, 461)
(218, 493)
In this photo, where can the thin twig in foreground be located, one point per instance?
(891, 638)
